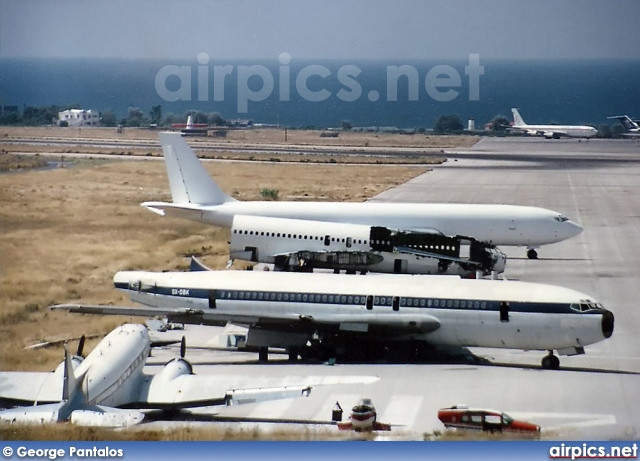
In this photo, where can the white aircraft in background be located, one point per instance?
(197, 197)
(631, 126)
(93, 391)
(552, 131)
(298, 245)
(320, 315)
(192, 128)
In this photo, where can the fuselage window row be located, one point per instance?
(351, 299)
(301, 237)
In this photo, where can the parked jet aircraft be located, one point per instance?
(300, 246)
(328, 311)
(552, 131)
(197, 197)
(631, 126)
(95, 390)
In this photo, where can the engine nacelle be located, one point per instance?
(174, 368)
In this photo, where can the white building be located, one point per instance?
(79, 117)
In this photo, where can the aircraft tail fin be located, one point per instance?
(72, 396)
(189, 181)
(628, 124)
(517, 119)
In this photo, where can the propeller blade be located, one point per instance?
(81, 346)
(183, 347)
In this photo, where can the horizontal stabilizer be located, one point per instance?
(102, 416)
(183, 210)
(244, 396)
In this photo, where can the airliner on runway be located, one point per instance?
(552, 131)
(95, 391)
(631, 126)
(315, 314)
(197, 197)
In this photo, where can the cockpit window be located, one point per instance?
(561, 218)
(586, 305)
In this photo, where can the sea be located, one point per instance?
(407, 94)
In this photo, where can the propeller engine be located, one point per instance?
(179, 365)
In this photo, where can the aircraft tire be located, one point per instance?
(550, 362)
(532, 254)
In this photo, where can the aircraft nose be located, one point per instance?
(607, 323)
(572, 228)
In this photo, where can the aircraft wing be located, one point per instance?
(423, 323)
(188, 391)
(29, 387)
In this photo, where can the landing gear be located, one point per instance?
(532, 254)
(550, 362)
(263, 354)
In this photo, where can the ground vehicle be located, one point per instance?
(463, 417)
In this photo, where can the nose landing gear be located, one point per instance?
(550, 362)
(532, 254)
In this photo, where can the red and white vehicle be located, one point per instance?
(463, 417)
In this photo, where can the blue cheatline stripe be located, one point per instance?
(359, 300)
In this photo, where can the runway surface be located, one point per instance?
(592, 397)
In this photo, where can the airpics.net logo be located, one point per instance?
(256, 83)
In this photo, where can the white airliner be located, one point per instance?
(191, 128)
(94, 391)
(298, 245)
(197, 197)
(309, 313)
(631, 126)
(552, 131)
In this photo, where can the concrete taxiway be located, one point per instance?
(593, 396)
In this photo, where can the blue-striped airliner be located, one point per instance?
(310, 313)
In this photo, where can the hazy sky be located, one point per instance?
(412, 29)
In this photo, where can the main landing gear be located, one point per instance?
(532, 254)
(550, 362)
